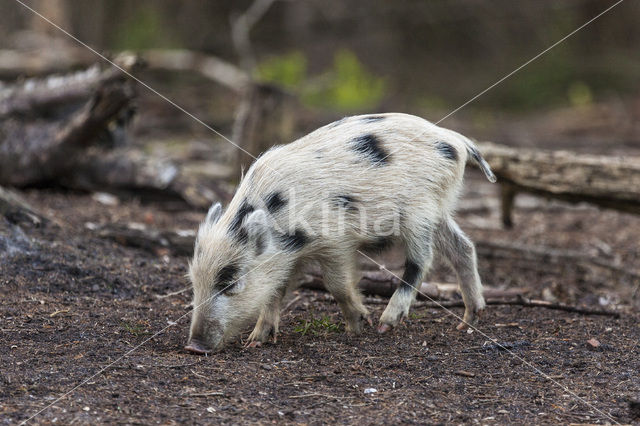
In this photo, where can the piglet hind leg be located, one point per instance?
(340, 281)
(419, 255)
(459, 251)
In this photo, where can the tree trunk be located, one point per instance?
(264, 118)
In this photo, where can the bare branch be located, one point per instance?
(241, 27)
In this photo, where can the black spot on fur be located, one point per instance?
(236, 223)
(370, 146)
(295, 241)
(378, 245)
(275, 202)
(412, 273)
(447, 151)
(346, 202)
(372, 118)
(241, 235)
(226, 276)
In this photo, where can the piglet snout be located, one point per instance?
(197, 347)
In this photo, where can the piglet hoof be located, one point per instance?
(462, 326)
(369, 320)
(357, 324)
(384, 327)
(470, 320)
(253, 344)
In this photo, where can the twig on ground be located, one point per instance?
(173, 293)
(312, 395)
(169, 366)
(15, 208)
(213, 393)
(521, 301)
(291, 303)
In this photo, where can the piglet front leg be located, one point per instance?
(267, 325)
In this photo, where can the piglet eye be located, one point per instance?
(226, 277)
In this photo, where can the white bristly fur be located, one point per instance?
(409, 196)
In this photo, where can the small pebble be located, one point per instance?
(370, 390)
(593, 342)
(106, 199)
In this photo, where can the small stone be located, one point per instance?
(86, 408)
(368, 391)
(266, 367)
(211, 409)
(105, 198)
(593, 342)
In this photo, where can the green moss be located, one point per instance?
(579, 94)
(317, 326)
(137, 329)
(348, 86)
(288, 70)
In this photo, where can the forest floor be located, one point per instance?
(88, 320)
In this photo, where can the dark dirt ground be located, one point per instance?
(73, 305)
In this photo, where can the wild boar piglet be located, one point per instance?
(363, 183)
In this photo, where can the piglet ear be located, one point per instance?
(214, 214)
(259, 231)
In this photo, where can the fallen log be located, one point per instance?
(42, 61)
(129, 171)
(372, 283)
(42, 97)
(534, 257)
(210, 67)
(62, 130)
(38, 146)
(140, 236)
(609, 182)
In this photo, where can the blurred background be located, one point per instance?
(340, 58)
